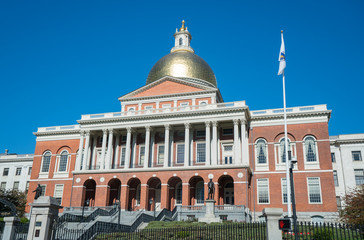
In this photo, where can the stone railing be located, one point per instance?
(59, 128)
(163, 110)
(280, 111)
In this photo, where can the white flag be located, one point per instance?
(282, 57)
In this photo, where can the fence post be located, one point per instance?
(9, 228)
(44, 211)
(272, 215)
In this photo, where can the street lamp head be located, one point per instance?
(294, 160)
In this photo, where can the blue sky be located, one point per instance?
(61, 59)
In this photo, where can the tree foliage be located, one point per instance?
(18, 198)
(353, 212)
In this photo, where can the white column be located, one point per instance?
(109, 149)
(103, 149)
(171, 149)
(127, 152)
(244, 143)
(147, 146)
(166, 145)
(208, 143)
(152, 145)
(187, 144)
(214, 158)
(237, 149)
(80, 150)
(87, 146)
(134, 160)
(117, 136)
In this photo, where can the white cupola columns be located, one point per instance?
(182, 40)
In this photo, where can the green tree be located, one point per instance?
(353, 212)
(18, 198)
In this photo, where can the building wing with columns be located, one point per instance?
(173, 135)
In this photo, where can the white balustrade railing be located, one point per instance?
(59, 128)
(280, 111)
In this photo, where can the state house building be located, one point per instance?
(175, 133)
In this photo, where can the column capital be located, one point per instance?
(236, 121)
(168, 127)
(129, 129)
(111, 130)
(148, 128)
(215, 123)
(87, 132)
(187, 125)
(104, 130)
(82, 132)
(243, 119)
(207, 123)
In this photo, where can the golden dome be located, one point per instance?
(183, 64)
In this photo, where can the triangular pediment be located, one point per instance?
(167, 86)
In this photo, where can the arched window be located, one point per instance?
(261, 151)
(283, 149)
(200, 192)
(63, 162)
(178, 193)
(317, 219)
(310, 149)
(46, 161)
(180, 41)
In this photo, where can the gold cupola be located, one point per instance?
(182, 62)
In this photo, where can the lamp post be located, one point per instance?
(293, 161)
(87, 202)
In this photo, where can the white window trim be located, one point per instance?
(308, 191)
(203, 197)
(202, 102)
(181, 143)
(361, 157)
(223, 143)
(199, 142)
(45, 174)
(121, 155)
(58, 162)
(282, 190)
(311, 165)
(277, 153)
(261, 166)
(175, 194)
(139, 156)
(54, 192)
(160, 163)
(258, 192)
(137, 195)
(45, 189)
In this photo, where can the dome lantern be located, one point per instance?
(182, 40)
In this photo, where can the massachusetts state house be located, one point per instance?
(175, 133)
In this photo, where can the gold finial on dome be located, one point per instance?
(183, 26)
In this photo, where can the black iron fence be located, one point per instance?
(325, 231)
(2, 225)
(254, 231)
(21, 230)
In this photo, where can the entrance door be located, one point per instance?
(227, 154)
(157, 199)
(229, 194)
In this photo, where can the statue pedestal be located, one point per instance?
(210, 213)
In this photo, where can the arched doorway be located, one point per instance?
(89, 188)
(197, 191)
(175, 192)
(114, 187)
(226, 190)
(134, 194)
(154, 194)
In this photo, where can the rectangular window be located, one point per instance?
(148, 108)
(336, 181)
(63, 160)
(122, 160)
(160, 158)
(227, 131)
(263, 190)
(333, 157)
(123, 138)
(180, 153)
(356, 155)
(200, 133)
(201, 152)
(18, 171)
(141, 155)
(44, 187)
(3, 186)
(6, 172)
(16, 186)
(284, 190)
(29, 170)
(359, 176)
(47, 161)
(338, 203)
(58, 193)
(27, 187)
(314, 190)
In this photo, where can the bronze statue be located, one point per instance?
(211, 187)
(38, 192)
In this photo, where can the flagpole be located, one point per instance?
(288, 183)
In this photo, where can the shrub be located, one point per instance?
(322, 234)
(183, 234)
